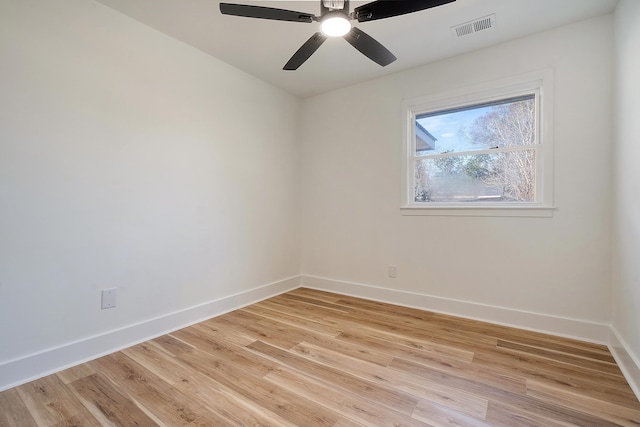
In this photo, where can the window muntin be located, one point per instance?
(456, 129)
(484, 152)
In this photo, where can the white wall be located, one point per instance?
(559, 266)
(130, 160)
(626, 242)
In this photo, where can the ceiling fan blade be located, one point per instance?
(388, 8)
(369, 47)
(305, 51)
(249, 11)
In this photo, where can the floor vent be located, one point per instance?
(480, 24)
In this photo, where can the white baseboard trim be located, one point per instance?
(31, 367)
(538, 322)
(628, 363)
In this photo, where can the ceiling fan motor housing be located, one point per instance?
(333, 4)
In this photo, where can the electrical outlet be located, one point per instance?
(108, 298)
(393, 271)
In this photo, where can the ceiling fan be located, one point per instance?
(335, 22)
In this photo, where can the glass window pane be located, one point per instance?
(499, 177)
(505, 123)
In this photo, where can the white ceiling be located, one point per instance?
(261, 47)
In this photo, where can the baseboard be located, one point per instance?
(538, 322)
(628, 363)
(28, 368)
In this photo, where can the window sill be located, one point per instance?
(496, 211)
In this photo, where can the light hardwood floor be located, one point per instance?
(311, 358)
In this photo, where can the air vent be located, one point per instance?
(480, 24)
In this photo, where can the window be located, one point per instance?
(484, 151)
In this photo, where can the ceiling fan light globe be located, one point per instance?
(335, 26)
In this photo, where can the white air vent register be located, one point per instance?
(480, 24)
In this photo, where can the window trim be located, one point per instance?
(538, 82)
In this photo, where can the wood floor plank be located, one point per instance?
(443, 416)
(520, 404)
(220, 330)
(235, 377)
(279, 334)
(75, 373)
(500, 415)
(531, 338)
(172, 345)
(325, 340)
(546, 412)
(376, 307)
(464, 377)
(584, 363)
(50, 401)
(522, 336)
(288, 319)
(107, 404)
(394, 399)
(318, 303)
(226, 351)
(305, 313)
(401, 320)
(352, 349)
(401, 346)
(160, 399)
(13, 411)
(314, 358)
(156, 360)
(352, 406)
(551, 371)
(231, 408)
(238, 411)
(83, 419)
(566, 346)
(622, 415)
(390, 324)
(397, 379)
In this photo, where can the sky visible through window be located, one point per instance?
(450, 128)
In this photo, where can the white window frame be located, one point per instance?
(540, 84)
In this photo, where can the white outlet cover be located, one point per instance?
(108, 298)
(393, 271)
